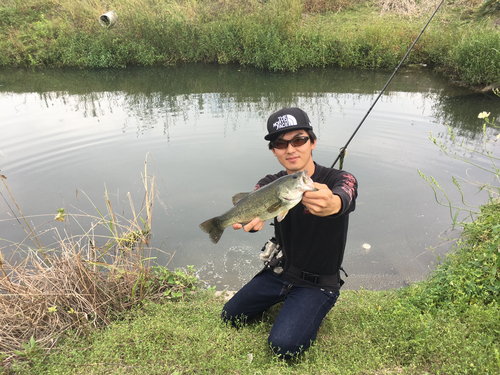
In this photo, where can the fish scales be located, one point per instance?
(267, 202)
(254, 205)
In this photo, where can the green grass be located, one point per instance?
(277, 35)
(447, 324)
(366, 332)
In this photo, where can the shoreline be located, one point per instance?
(461, 41)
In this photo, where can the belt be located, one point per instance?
(313, 277)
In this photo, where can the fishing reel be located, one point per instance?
(272, 256)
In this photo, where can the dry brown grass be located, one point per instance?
(420, 7)
(320, 6)
(43, 296)
(77, 286)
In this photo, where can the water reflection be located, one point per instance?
(65, 130)
(174, 94)
(461, 112)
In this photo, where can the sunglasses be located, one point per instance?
(296, 142)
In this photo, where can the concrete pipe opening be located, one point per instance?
(108, 19)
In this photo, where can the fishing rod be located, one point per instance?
(343, 149)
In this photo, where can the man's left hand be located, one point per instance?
(322, 202)
(254, 226)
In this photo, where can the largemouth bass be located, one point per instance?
(272, 200)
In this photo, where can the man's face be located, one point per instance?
(295, 159)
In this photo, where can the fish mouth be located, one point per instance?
(306, 182)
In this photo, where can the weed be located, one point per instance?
(469, 275)
(31, 349)
(492, 191)
(174, 284)
(490, 7)
(476, 57)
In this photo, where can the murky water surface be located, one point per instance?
(70, 136)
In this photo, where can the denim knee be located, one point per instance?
(299, 320)
(235, 320)
(284, 349)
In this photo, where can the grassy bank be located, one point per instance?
(280, 35)
(448, 324)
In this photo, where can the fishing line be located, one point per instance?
(343, 149)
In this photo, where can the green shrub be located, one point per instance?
(470, 274)
(476, 57)
(490, 7)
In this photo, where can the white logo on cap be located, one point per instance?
(284, 122)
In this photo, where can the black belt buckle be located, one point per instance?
(311, 277)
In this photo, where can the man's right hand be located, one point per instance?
(254, 226)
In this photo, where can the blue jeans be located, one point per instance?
(299, 318)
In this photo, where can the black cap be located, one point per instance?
(286, 120)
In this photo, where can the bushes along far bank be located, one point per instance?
(278, 35)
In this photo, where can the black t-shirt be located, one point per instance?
(311, 243)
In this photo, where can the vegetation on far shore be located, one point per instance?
(279, 35)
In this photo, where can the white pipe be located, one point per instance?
(108, 19)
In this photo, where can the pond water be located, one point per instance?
(70, 136)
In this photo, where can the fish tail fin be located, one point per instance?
(214, 231)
